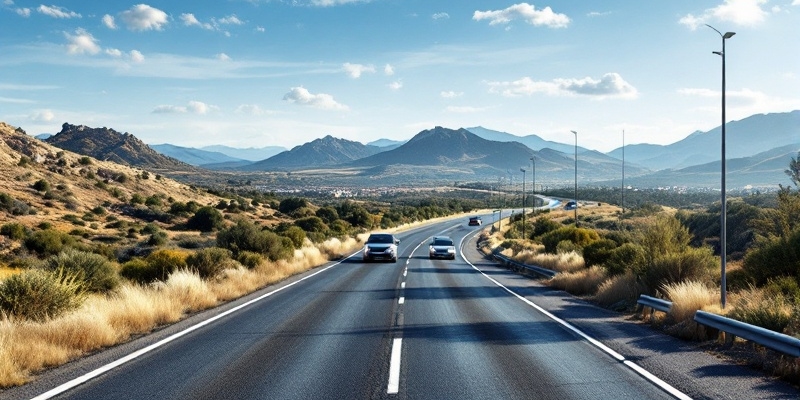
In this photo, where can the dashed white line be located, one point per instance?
(403, 285)
(401, 300)
(394, 367)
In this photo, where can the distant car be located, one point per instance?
(380, 246)
(442, 247)
(475, 221)
(571, 205)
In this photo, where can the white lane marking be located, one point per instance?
(132, 356)
(636, 368)
(394, 367)
(405, 272)
(401, 300)
(402, 285)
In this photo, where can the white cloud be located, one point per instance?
(739, 12)
(252, 109)
(82, 42)
(109, 22)
(396, 85)
(611, 85)
(142, 17)
(136, 56)
(526, 12)
(328, 3)
(42, 116)
(231, 20)
(796, 3)
(113, 52)
(388, 70)
(260, 29)
(355, 70)
(441, 15)
(222, 57)
(23, 12)
(450, 94)
(57, 12)
(594, 14)
(193, 107)
(301, 96)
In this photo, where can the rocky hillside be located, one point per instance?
(318, 153)
(109, 145)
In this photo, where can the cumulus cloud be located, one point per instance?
(231, 20)
(526, 12)
(82, 42)
(142, 17)
(57, 12)
(113, 52)
(301, 96)
(215, 24)
(42, 116)
(611, 85)
(23, 12)
(388, 70)
(396, 85)
(136, 56)
(441, 15)
(450, 94)
(355, 70)
(109, 22)
(193, 107)
(739, 12)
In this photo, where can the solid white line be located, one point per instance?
(636, 368)
(132, 356)
(402, 300)
(394, 367)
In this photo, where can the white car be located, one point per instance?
(442, 247)
(380, 246)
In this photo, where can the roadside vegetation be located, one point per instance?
(612, 258)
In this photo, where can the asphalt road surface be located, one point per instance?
(415, 329)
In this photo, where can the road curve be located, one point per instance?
(417, 328)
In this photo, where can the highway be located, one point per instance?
(415, 329)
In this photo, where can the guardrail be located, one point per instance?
(655, 304)
(777, 341)
(520, 267)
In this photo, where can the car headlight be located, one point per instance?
(453, 251)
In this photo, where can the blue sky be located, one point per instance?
(253, 73)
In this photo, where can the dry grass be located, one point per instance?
(583, 282)
(27, 347)
(620, 289)
(6, 272)
(688, 297)
(562, 262)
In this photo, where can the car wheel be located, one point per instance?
(394, 260)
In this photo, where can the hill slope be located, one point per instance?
(318, 153)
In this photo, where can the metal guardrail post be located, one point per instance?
(777, 341)
(655, 304)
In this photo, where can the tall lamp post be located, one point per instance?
(533, 188)
(576, 178)
(523, 202)
(722, 229)
(623, 171)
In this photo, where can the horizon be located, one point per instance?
(253, 74)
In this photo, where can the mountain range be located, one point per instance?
(761, 147)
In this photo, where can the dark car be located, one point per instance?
(475, 221)
(442, 247)
(381, 246)
(571, 205)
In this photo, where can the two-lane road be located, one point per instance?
(416, 329)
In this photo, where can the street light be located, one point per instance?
(722, 229)
(523, 202)
(623, 172)
(576, 178)
(533, 190)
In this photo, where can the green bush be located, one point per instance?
(578, 236)
(48, 242)
(775, 258)
(250, 259)
(12, 205)
(291, 204)
(695, 264)
(159, 238)
(206, 219)
(544, 225)
(296, 234)
(14, 230)
(41, 185)
(247, 236)
(95, 271)
(156, 266)
(598, 252)
(311, 224)
(209, 262)
(38, 295)
(627, 257)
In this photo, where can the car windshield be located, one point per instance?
(442, 242)
(380, 239)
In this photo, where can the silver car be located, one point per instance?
(380, 246)
(442, 247)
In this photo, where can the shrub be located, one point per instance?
(296, 234)
(246, 236)
(137, 270)
(206, 219)
(293, 203)
(85, 160)
(48, 242)
(691, 264)
(583, 282)
(775, 258)
(209, 262)
(159, 238)
(38, 295)
(41, 185)
(250, 259)
(762, 308)
(153, 201)
(687, 297)
(137, 198)
(597, 253)
(14, 230)
(627, 257)
(12, 205)
(544, 225)
(156, 266)
(94, 270)
(311, 224)
(578, 236)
